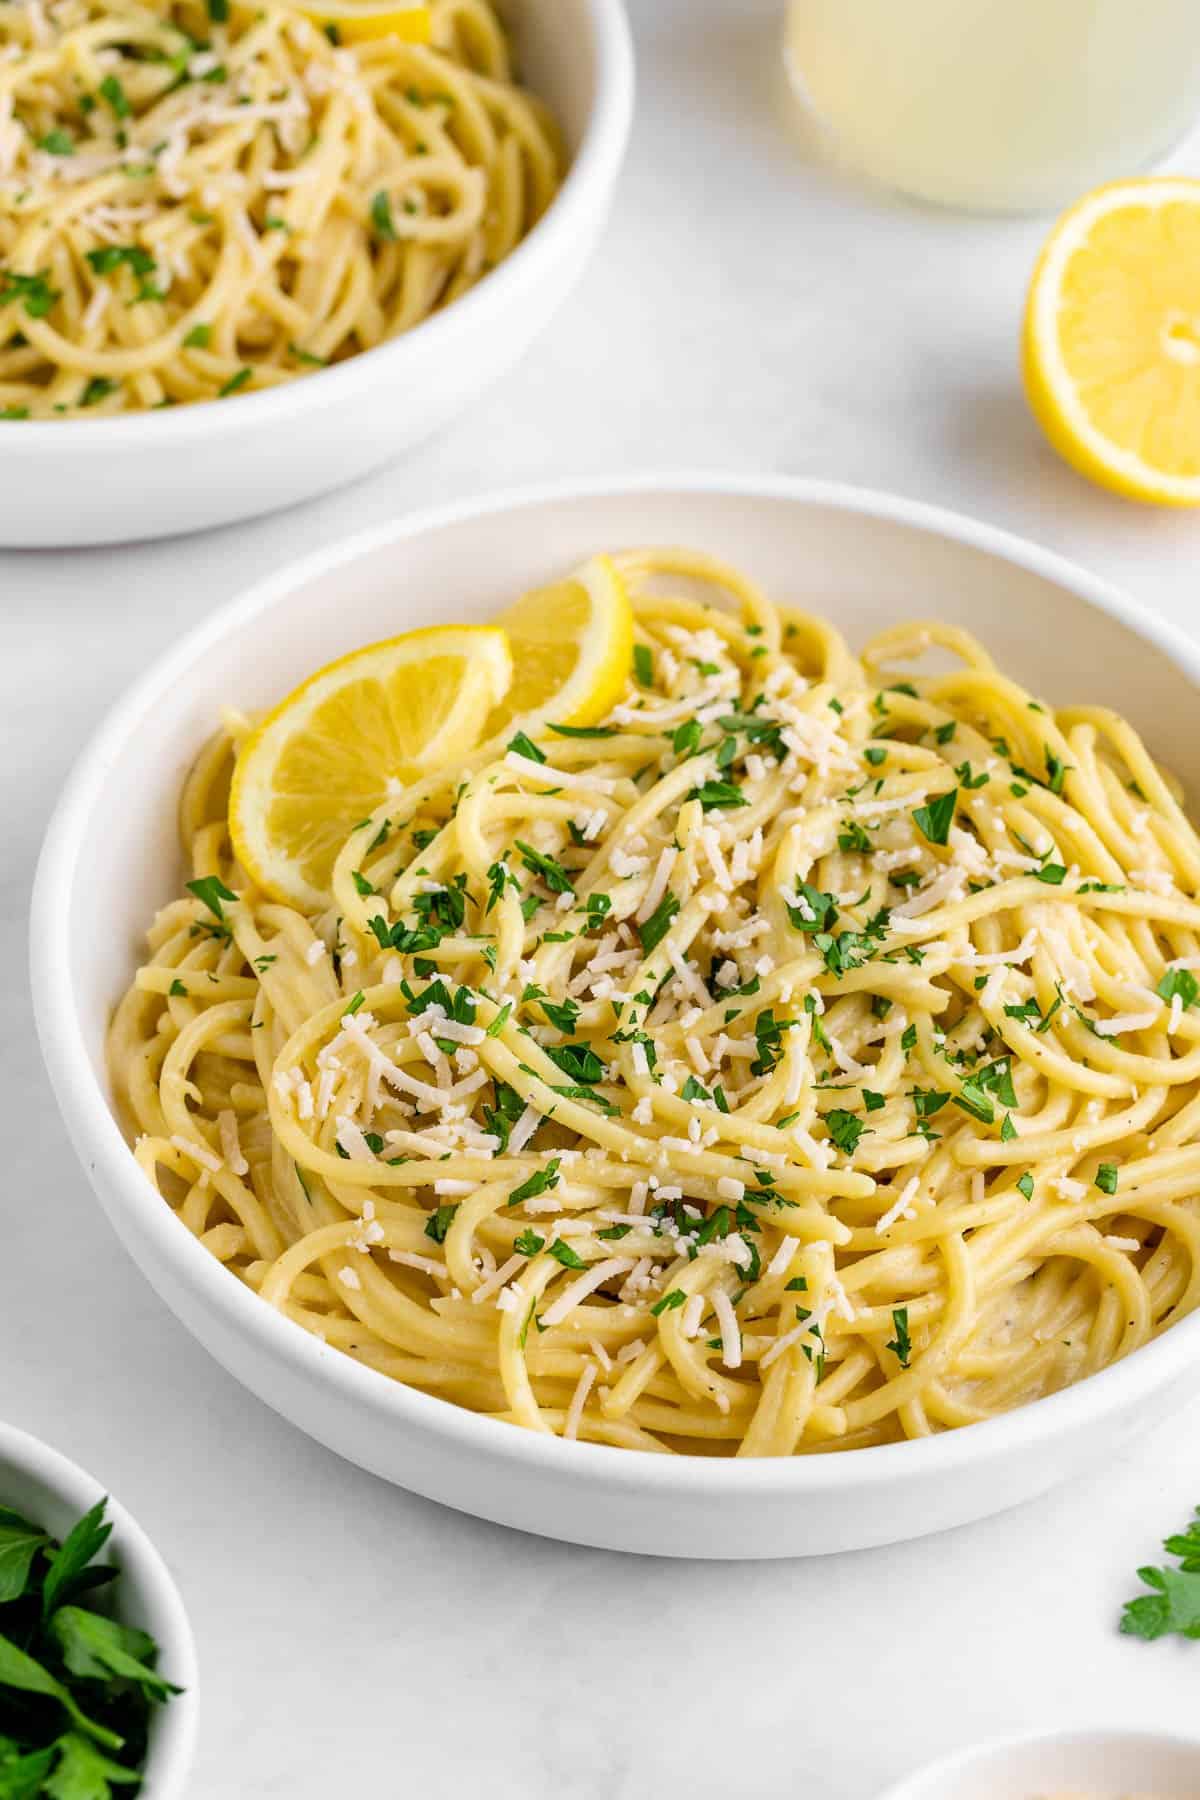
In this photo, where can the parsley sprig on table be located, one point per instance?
(76, 1687)
(1173, 1604)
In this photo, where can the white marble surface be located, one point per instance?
(753, 309)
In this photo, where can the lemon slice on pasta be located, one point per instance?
(351, 23)
(572, 646)
(323, 760)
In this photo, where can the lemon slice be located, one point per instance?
(353, 21)
(1112, 339)
(572, 646)
(323, 760)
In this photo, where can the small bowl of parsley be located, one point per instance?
(97, 1660)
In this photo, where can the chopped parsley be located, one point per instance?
(654, 929)
(1181, 984)
(845, 1129)
(235, 383)
(524, 746)
(212, 891)
(34, 292)
(934, 819)
(551, 872)
(537, 1183)
(440, 1221)
(563, 1253)
(114, 96)
(381, 217)
(901, 1344)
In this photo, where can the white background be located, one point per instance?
(752, 308)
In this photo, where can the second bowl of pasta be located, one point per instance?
(248, 252)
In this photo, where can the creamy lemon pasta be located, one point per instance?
(806, 1056)
(200, 198)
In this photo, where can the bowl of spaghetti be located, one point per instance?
(757, 1120)
(249, 252)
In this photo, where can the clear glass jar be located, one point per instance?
(1009, 105)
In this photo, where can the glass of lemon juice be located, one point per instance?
(1009, 105)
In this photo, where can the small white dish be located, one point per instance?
(52, 1491)
(1063, 1765)
(111, 856)
(149, 475)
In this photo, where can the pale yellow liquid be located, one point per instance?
(1013, 104)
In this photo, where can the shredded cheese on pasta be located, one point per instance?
(202, 201)
(794, 1062)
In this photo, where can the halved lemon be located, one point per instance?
(353, 21)
(1111, 346)
(323, 760)
(572, 647)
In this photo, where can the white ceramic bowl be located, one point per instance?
(111, 857)
(1086, 1765)
(148, 475)
(51, 1491)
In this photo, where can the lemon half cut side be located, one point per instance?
(1111, 344)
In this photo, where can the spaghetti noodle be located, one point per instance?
(808, 1057)
(198, 201)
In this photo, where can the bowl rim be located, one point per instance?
(174, 1742)
(984, 1750)
(113, 1171)
(591, 174)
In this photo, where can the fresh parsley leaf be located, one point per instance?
(1172, 1607)
(1106, 1178)
(813, 909)
(933, 820)
(382, 223)
(714, 795)
(34, 291)
(654, 929)
(563, 1253)
(20, 1542)
(687, 737)
(845, 1128)
(537, 1183)
(563, 1015)
(520, 745)
(1179, 982)
(669, 1302)
(439, 1222)
(113, 94)
(211, 890)
(551, 872)
(901, 1344)
(643, 665)
(103, 1649)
